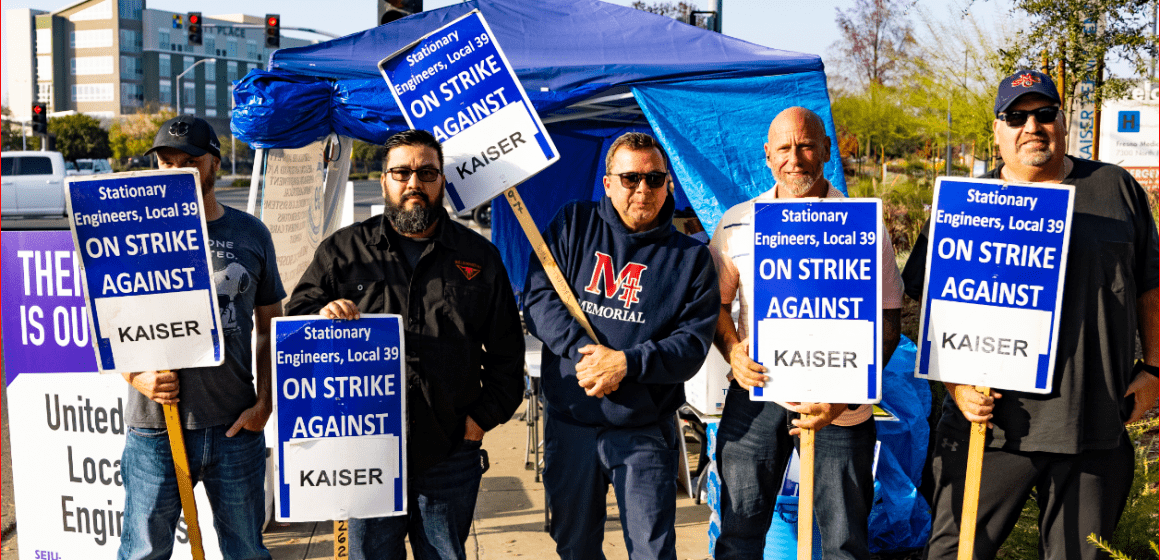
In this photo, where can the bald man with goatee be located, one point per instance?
(755, 438)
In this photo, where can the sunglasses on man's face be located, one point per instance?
(403, 174)
(654, 179)
(1016, 119)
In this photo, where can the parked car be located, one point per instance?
(32, 184)
(93, 166)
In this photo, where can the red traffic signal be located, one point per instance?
(194, 18)
(39, 119)
(194, 28)
(273, 31)
(38, 109)
(272, 21)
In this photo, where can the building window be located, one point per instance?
(92, 92)
(131, 9)
(186, 62)
(104, 10)
(210, 44)
(163, 68)
(211, 99)
(210, 70)
(232, 47)
(132, 95)
(131, 68)
(189, 98)
(231, 71)
(44, 41)
(44, 68)
(91, 39)
(163, 40)
(44, 92)
(131, 41)
(91, 65)
(165, 92)
(251, 49)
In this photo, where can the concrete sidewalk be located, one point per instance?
(509, 517)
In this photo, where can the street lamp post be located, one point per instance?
(179, 76)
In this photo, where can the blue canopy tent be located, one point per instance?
(593, 70)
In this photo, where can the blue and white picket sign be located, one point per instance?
(149, 286)
(994, 283)
(456, 83)
(339, 409)
(816, 313)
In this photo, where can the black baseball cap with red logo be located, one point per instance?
(189, 134)
(1021, 83)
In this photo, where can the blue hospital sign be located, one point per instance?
(1128, 121)
(994, 283)
(144, 250)
(457, 84)
(339, 406)
(816, 310)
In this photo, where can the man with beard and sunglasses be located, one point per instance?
(649, 293)
(1069, 446)
(755, 438)
(462, 337)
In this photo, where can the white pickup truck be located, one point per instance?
(32, 184)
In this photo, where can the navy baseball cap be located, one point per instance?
(1021, 83)
(189, 134)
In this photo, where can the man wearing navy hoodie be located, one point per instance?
(651, 296)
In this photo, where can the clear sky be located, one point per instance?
(795, 25)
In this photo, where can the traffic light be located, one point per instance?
(391, 10)
(273, 31)
(194, 28)
(39, 119)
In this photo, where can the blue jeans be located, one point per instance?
(233, 471)
(753, 448)
(641, 464)
(441, 504)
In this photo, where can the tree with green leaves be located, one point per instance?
(677, 10)
(80, 137)
(366, 154)
(1056, 31)
(10, 132)
(132, 135)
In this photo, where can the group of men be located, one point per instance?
(609, 401)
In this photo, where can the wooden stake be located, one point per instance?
(806, 495)
(341, 546)
(549, 262)
(184, 482)
(971, 486)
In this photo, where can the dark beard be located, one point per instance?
(417, 219)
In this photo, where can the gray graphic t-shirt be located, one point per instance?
(246, 276)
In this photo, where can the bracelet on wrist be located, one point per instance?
(1154, 371)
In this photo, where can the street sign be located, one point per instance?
(339, 414)
(456, 83)
(994, 283)
(144, 250)
(816, 314)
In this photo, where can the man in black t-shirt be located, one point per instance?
(1069, 445)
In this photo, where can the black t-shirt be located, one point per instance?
(1112, 260)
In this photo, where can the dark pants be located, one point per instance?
(441, 504)
(641, 464)
(1078, 494)
(753, 448)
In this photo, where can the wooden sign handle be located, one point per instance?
(971, 485)
(806, 494)
(549, 262)
(341, 540)
(184, 482)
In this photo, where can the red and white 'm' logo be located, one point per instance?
(627, 283)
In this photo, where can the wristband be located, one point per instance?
(1154, 371)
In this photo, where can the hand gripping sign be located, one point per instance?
(994, 283)
(816, 311)
(144, 251)
(339, 408)
(456, 83)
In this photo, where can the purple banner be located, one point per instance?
(46, 324)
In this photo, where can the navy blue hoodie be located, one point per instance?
(652, 295)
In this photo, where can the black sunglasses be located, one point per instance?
(403, 174)
(1016, 119)
(654, 179)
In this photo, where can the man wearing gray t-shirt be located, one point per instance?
(221, 413)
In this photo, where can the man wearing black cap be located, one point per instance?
(220, 411)
(1070, 445)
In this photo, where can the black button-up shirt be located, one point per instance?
(462, 337)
